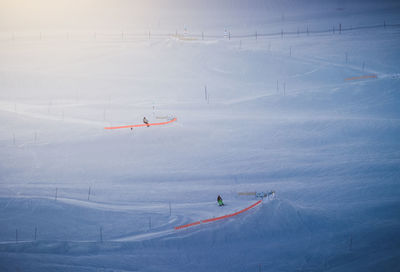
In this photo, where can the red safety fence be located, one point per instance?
(143, 125)
(362, 77)
(218, 218)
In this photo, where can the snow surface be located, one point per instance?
(280, 116)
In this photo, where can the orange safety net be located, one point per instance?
(143, 125)
(218, 218)
(362, 77)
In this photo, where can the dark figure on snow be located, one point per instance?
(219, 200)
(146, 121)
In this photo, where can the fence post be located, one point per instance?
(284, 88)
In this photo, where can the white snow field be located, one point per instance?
(313, 116)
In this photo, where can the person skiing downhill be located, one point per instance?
(219, 200)
(146, 121)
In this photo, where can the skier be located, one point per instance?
(146, 121)
(219, 200)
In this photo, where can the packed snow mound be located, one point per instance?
(272, 218)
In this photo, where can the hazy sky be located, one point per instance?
(124, 14)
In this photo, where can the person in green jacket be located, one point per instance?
(219, 200)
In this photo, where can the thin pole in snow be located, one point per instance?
(101, 234)
(284, 88)
(277, 86)
(55, 198)
(88, 197)
(170, 210)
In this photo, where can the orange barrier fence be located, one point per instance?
(362, 77)
(218, 218)
(143, 125)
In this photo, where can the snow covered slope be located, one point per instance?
(289, 113)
